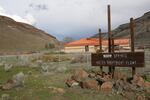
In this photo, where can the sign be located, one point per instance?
(120, 59)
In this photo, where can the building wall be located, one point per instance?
(76, 49)
(93, 49)
(80, 49)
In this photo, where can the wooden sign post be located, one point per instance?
(132, 41)
(109, 33)
(118, 59)
(100, 46)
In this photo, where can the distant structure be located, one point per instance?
(92, 45)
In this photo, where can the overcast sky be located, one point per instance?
(75, 18)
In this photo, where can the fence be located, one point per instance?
(86, 57)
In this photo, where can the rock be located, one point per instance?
(129, 95)
(90, 84)
(147, 84)
(34, 65)
(107, 77)
(18, 79)
(7, 86)
(5, 97)
(29, 72)
(71, 82)
(138, 80)
(118, 75)
(8, 67)
(61, 69)
(39, 62)
(140, 97)
(118, 86)
(44, 68)
(79, 75)
(92, 75)
(57, 90)
(106, 87)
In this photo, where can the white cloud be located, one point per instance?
(29, 19)
(75, 17)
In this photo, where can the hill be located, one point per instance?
(21, 37)
(142, 31)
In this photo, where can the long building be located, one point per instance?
(92, 45)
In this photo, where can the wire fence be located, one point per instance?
(80, 58)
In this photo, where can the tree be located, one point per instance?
(68, 39)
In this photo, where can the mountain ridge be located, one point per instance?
(142, 31)
(22, 37)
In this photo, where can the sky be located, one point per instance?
(73, 18)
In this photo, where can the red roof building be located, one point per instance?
(91, 44)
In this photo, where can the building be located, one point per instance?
(92, 45)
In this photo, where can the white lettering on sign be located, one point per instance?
(130, 62)
(115, 62)
(107, 55)
(120, 55)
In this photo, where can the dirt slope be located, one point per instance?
(21, 37)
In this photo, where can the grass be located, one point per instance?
(37, 85)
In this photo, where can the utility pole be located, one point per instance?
(109, 33)
(100, 47)
(132, 41)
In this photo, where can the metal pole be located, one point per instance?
(132, 41)
(100, 46)
(109, 32)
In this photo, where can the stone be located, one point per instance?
(137, 79)
(118, 75)
(8, 67)
(79, 75)
(106, 87)
(140, 97)
(7, 86)
(34, 65)
(107, 77)
(129, 95)
(44, 68)
(90, 84)
(5, 97)
(92, 75)
(140, 82)
(147, 84)
(61, 69)
(39, 62)
(18, 79)
(71, 82)
(57, 90)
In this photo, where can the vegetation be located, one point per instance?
(37, 86)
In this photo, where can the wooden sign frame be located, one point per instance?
(119, 59)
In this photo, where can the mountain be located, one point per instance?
(21, 37)
(142, 31)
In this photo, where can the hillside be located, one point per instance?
(21, 37)
(142, 31)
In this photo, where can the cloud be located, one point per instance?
(28, 18)
(76, 18)
(38, 7)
